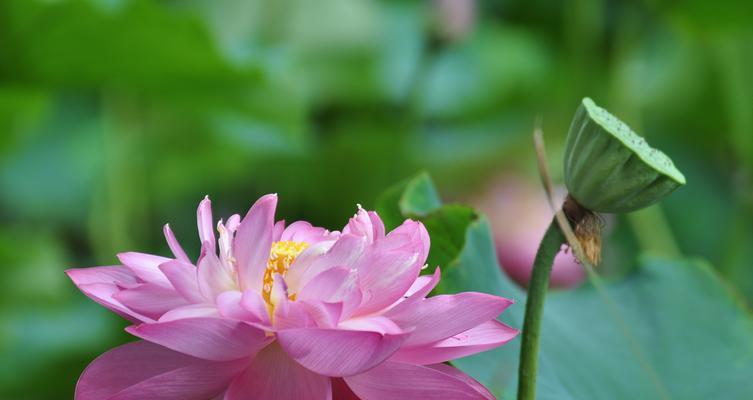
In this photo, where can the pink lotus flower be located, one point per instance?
(296, 312)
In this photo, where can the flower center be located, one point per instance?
(281, 257)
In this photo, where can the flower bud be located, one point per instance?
(609, 168)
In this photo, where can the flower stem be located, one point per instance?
(537, 288)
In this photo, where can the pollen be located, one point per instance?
(281, 257)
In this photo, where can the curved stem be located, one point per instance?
(537, 288)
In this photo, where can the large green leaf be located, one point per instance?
(411, 198)
(670, 330)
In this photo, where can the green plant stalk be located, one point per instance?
(537, 288)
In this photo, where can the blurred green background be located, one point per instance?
(117, 116)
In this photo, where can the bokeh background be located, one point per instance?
(117, 116)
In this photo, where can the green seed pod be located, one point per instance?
(609, 168)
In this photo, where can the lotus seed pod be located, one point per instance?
(609, 168)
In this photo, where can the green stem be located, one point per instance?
(537, 288)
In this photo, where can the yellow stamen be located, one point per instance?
(281, 257)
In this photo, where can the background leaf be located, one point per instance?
(414, 197)
(693, 335)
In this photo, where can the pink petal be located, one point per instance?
(335, 285)
(302, 231)
(142, 370)
(324, 285)
(423, 238)
(183, 277)
(350, 296)
(424, 284)
(397, 381)
(483, 337)
(417, 292)
(198, 383)
(440, 317)
(253, 241)
(146, 267)
(254, 303)
(273, 375)
(213, 339)
(175, 247)
(110, 274)
(101, 283)
(374, 323)
(414, 237)
(291, 315)
(227, 234)
(277, 230)
(461, 376)
(233, 222)
(376, 224)
(365, 224)
(279, 291)
(389, 267)
(343, 253)
(206, 224)
(214, 277)
(336, 352)
(103, 293)
(150, 299)
(230, 306)
(325, 315)
(384, 277)
(191, 311)
(127, 365)
(303, 262)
